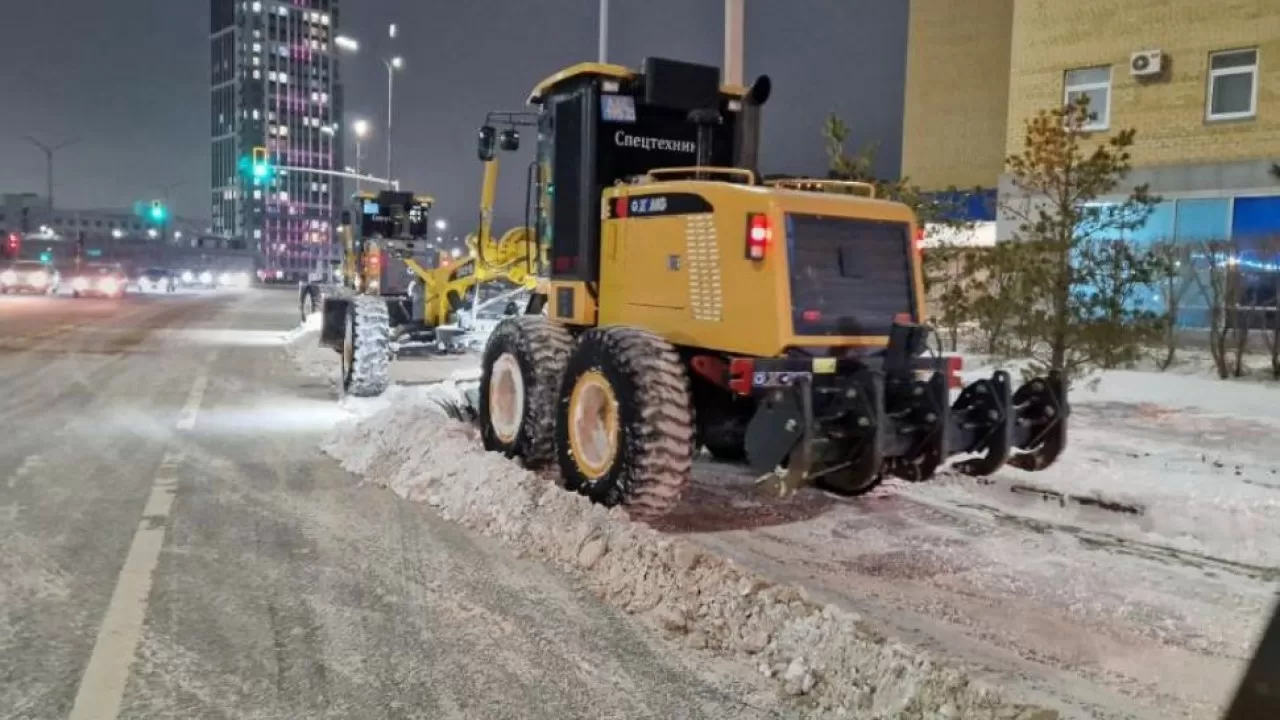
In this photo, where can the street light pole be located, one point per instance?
(604, 31)
(393, 65)
(733, 42)
(48, 151)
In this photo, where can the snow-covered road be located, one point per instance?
(1132, 579)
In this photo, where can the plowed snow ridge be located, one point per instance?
(826, 657)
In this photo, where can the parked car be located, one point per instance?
(105, 280)
(30, 277)
(157, 280)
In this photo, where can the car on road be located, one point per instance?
(30, 277)
(105, 280)
(157, 280)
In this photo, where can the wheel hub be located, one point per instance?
(506, 397)
(593, 424)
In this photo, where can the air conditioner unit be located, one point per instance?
(1146, 63)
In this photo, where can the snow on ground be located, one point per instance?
(826, 657)
(1131, 579)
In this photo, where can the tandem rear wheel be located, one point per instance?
(613, 409)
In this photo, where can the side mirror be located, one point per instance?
(509, 141)
(760, 90)
(487, 144)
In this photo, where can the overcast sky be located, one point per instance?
(128, 80)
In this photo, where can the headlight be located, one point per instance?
(109, 285)
(187, 276)
(38, 278)
(80, 284)
(8, 277)
(206, 277)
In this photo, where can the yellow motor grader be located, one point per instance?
(685, 302)
(399, 296)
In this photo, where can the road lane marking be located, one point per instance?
(187, 420)
(101, 690)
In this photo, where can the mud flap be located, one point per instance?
(1042, 412)
(986, 406)
(333, 322)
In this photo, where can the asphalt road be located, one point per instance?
(173, 545)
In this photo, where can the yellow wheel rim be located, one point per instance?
(593, 424)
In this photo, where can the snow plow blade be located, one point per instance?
(847, 428)
(333, 322)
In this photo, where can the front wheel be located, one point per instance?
(624, 428)
(366, 348)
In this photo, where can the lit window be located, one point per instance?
(257, 74)
(315, 97)
(257, 115)
(284, 130)
(324, 98)
(257, 47)
(257, 7)
(257, 194)
(271, 76)
(284, 196)
(1233, 85)
(283, 11)
(324, 19)
(1095, 84)
(257, 61)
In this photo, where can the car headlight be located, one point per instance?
(187, 276)
(206, 277)
(80, 284)
(109, 285)
(38, 278)
(8, 277)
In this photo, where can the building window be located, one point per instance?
(1094, 83)
(1233, 85)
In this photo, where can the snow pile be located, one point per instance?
(302, 345)
(826, 657)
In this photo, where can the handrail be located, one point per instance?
(822, 185)
(731, 172)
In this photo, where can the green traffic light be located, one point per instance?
(157, 213)
(260, 170)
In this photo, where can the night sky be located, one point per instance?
(128, 79)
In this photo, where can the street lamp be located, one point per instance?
(151, 233)
(117, 233)
(393, 64)
(342, 42)
(361, 128)
(442, 225)
(48, 151)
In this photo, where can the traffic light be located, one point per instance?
(46, 257)
(158, 212)
(13, 245)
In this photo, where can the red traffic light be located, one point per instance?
(14, 243)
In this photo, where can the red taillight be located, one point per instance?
(811, 315)
(954, 364)
(759, 235)
(741, 375)
(918, 241)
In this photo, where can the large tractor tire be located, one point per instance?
(521, 369)
(366, 348)
(624, 426)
